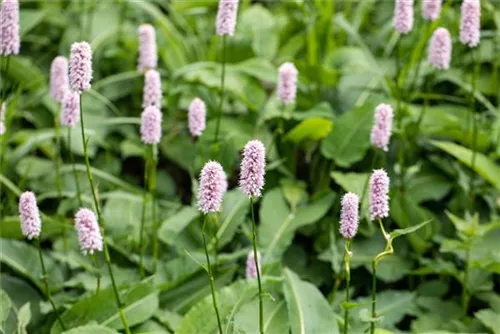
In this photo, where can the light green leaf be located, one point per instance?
(176, 223)
(399, 232)
(308, 310)
(23, 318)
(6, 306)
(235, 208)
(94, 329)
(490, 319)
(310, 129)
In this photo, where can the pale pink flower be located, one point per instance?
(440, 49)
(226, 17)
(253, 168)
(382, 126)
(151, 125)
(10, 42)
(211, 190)
(470, 23)
(379, 194)
(31, 224)
(80, 67)
(152, 94)
(59, 80)
(196, 117)
(70, 114)
(287, 83)
(89, 233)
(148, 57)
(403, 16)
(431, 9)
(349, 215)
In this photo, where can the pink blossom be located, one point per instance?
(403, 16)
(251, 270)
(152, 94)
(151, 125)
(70, 114)
(80, 67)
(59, 80)
(431, 9)
(349, 216)
(10, 42)
(253, 167)
(470, 23)
(196, 117)
(31, 224)
(211, 190)
(226, 17)
(89, 234)
(287, 83)
(440, 49)
(148, 57)
(382, 126)
(379, 194)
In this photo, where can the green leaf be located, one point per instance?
(399, 232)
(350, 139)
(488, 169)
(265, 35)
(235, 208)
(140, 303)
(23, 318)
(6, 306)
(490, 319)
(176, 223)
(356, 183)
(94, 329)
(308, 310)
(312, 129)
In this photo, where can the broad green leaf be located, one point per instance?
(140, 303)
(94, 329)
(399, 232)
(176, 223)
(490, 319)
(23, 318)
(275, 316)
(235, 208)
(265, 36)
(308, 310)
(6, 306)
(350, 138)
(488, 169)
(312, 129)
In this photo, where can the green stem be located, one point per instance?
(147, 164)
(101, 220)
(399, 116)
(474, 129)
(98, 273)
(58, 177)
(210, 275)
(222, 90)
(256, 258)
(75, 174)
(46, 281)
(152, 191)
(374, 297)
(347, 260)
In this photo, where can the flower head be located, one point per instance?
(2, 118)
(287, 83)
(59, 80)
(10, 42)
(70, 114)
(431, 9)
(226, 17)
(80, 67)
(440, 49)
(251, 270)
(152, 89)
(151, 125)
(89, 234)
(349, 216)
(470, 23)
(253, 168)
(212, 187)
(148, 57)
(196, 117)
(31, 224)
(379, 194)
(382, 126)
(403, 16)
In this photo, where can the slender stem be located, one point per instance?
(152, 191)
(210, 275)
(101, 220)
(255, 255)
(474, 128)
(46, 281)
(75, 174)
(58, 177)
(222, 90)
(98, 273)
(374, 296)
(347, 260)
(147, 164)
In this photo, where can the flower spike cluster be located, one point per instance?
(152, 89)
(80, 67)
(403, 16)
(253, 168)
(151, 125)
(148, 57)
(431, 9)
(379, 194)
(10, 42)
(59, 80)
(197, 117)
(382, 127)
(349, 215)
(226, 17)
(31, 224)
(440, 49)
(470, 23)
(70, 114)
(89, 234)
(213, 185)
(287, 83)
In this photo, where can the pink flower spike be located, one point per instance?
(379, 194)
(59, 80)
(196, 117)
(212, 188)
(253, 168)
(470, 23)
(226, 17)
(151, 125)
(431, 9)
(31, 224)
(251, 270)
(80, 67)
(382, 127)
(349, 216)
(148, 57)
(403, 16)
(89, 234)
(70, 114)
(10, 42)
(287, 83)
(440, 49)
(152, 94)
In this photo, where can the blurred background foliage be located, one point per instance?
(349, 59)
